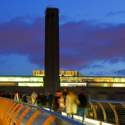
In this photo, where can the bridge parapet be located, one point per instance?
(13, 112)
(107, 111)
(99, 112)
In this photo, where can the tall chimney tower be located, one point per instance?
(52, 80)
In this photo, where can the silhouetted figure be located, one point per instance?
(50, 100)
(65, 93)
(83, 98)
(11, 95)
(24, 98)
(56, 106)
(43, 100)
(4, 94)
(20, 97)
(39, 100)
(8, 95)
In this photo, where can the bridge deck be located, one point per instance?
(40, 119)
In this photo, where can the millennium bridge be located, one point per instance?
(99, 112)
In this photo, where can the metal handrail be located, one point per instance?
(112, 101)
(111, 111)
(11, 108)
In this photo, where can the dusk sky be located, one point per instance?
(92, 36)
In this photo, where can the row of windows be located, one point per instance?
(91, 79)
(35, 79)
(61, 73)
(71, 84)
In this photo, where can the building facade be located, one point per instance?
(67, 79)
(98, 87)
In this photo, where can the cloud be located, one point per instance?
(91, 73)
(115, 13)
(97, 66)
(86, 41)
(25, 36)
(120, 72)
(100, 73)
(81, 43)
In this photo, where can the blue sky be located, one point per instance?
(91, 36)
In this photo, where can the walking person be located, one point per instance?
(34, 98)
(43, 100)
(71, 104)
(24, 98)
(39, 100)
(61, 103)
(4, 94)
(65, 93)
(16, 96)
(8, 95)
(50, 100)
(56, 106)
(83, 98)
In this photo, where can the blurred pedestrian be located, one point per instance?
(4, 94)
(83, 98)
(56, 106)
(16, 96)
(11, 95)
(20, 97)
(71, 104)
(61, 103)
(0, 94)
(43, 100)
(50, 100)
(39, 100)
(65, 93)
(24, 98)
(34, 96)
(8, 95)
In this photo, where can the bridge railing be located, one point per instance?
(107, 110)
(10, 109)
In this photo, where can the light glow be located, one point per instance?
(123, 80)
(118, 85)
(72, 84)
(21, 79)
(106, 123)
(92, 121)
(30, 84)
(3, 79)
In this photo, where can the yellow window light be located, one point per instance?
(30, 84)
(123, 80)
